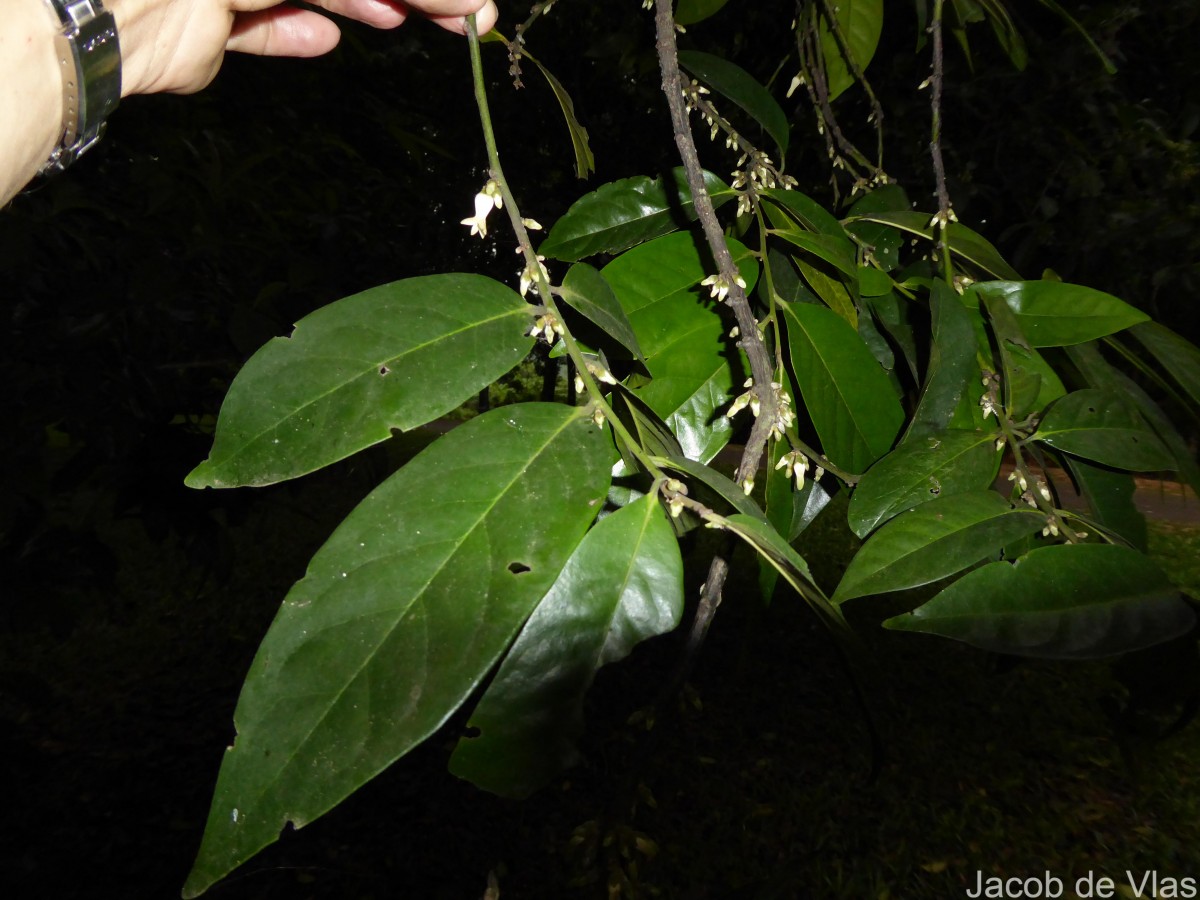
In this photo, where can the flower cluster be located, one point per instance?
(784, 417)
(529, 277)
(675, 491)
(548, 326)
(795, 464)
(720, 286)
(758, 174)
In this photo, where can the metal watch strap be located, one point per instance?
(90, 56)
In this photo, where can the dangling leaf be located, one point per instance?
(846, 393)
(1082, 601)
(1057, 314)
(807, 211)
(721, 486)
(1109, 66)
(1109, 496)
(585, 162)
(585, 291)
(400, 616)
(771, 546)
(951, 363)
(1177, 356)
(935, 540)
(1103, 426)
(861, 24)
(622, 585)
(354, 370)
(921, 470)
(735, 83)
(962, 240)
(618, 215)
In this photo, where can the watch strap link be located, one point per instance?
(90, 56)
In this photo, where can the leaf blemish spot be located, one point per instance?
(518, 568)
(383, 370)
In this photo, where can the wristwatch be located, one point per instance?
(90, 57)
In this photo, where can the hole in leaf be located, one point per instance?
(1091, 409)
(518, 568)
(471, 731)
(383, 370)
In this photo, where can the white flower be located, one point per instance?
(485, 201)
(529, 277)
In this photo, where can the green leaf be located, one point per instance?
(1006, 33)
(1105, 427)
(873, 282)
(861, 23)
(735, 83)
(618, 215)
(1057, 314)
(689, 12)
(771, 546)
(881, 243)
(1109, 496)
(585, 291)
(1099, 373)
(951, 363)
(963, 241)
(1080, 601)
(400, 616)
(1178, 356)
(807, 211)
(894, 315)
(833, 292)
(846, 393)
(721, 486)
(585, 162)
(356, 369)
(1109, 66)
(684, 336)
(622, 585)
(918, 471)
(935, 540)
(651, 432)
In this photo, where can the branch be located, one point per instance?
(751, 341)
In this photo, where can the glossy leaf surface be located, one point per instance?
(738, 85)
(1057, 314)
(1105, 427)
(846, 393)
(921, 470)
(401, 614)
(356, 369)
(622, 585)
(684, 336)
(1082, 601)
(935, 540)
(585, 291)
(807, 211)
(621, 214)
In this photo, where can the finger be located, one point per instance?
(379, 13)
(485, 18)
(283, 31)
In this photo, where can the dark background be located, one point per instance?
(135, 285)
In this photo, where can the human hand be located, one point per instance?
(177, 46)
